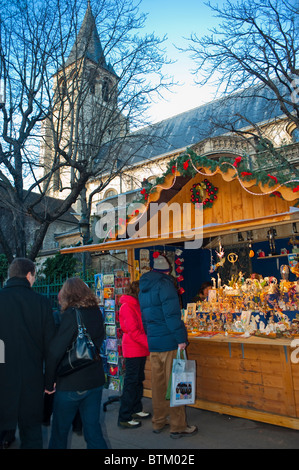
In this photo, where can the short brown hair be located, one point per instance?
(133, 289)
(75, 293)
(20, 267)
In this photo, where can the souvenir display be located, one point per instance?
(144, 259)
(244, 307)
(109, 288)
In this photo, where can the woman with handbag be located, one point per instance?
(80, 389)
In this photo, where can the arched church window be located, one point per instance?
(152, 179)
(62, 87)
(295, 135)
(92, 86)
(106, 85)
(92, 81)
(293, 131)
(110, 193)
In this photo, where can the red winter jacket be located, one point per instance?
(134, 341)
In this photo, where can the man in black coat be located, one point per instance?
(26, 329)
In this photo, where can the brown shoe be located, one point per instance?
(157, 431)
(189, 431)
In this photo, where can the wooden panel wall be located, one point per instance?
(258, 378)
(233, 203)
(295, 383)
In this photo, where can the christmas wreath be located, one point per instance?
(204, 193)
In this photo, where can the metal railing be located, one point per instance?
(51, 287)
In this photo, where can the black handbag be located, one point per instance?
(80, 354)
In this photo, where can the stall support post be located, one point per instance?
(131, 263)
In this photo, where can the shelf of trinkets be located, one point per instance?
(261, 307)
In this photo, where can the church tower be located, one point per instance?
(85, 113)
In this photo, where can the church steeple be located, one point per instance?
(87, 113)
(88, 43)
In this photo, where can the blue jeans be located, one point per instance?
(66, 404)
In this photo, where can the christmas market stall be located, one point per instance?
(233, 225)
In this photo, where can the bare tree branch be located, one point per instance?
(58, 104)
(257, 42)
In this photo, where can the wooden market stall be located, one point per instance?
(251, 378)
(254, 377)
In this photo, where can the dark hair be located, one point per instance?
(20, 267)
(75, 293)
(133, 289)
(204, 286)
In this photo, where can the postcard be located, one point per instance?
(112, 357)
(109, 317)
(109, 304)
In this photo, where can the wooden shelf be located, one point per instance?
(258, 340)
(271, 257)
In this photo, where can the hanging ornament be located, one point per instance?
(213, 268)
(271, 234)
(232, 258)
(179, 268)
(220, 253)
(251, 252)
(212, 264)
(250, 239)
(220, 263)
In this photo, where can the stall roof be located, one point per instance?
(208, 230)
(236, 208)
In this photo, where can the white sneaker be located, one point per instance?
(141, 414)
(134, 422)
(130, 424)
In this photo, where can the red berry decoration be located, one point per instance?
(204, 193)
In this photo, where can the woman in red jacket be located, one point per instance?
(135, 350)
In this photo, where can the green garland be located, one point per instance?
(187, 164)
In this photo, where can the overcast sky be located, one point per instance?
(178, 19)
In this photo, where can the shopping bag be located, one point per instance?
(183, 381)
(168, 391)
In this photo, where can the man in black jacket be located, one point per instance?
(26, 329)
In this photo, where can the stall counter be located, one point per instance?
(254, 378)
